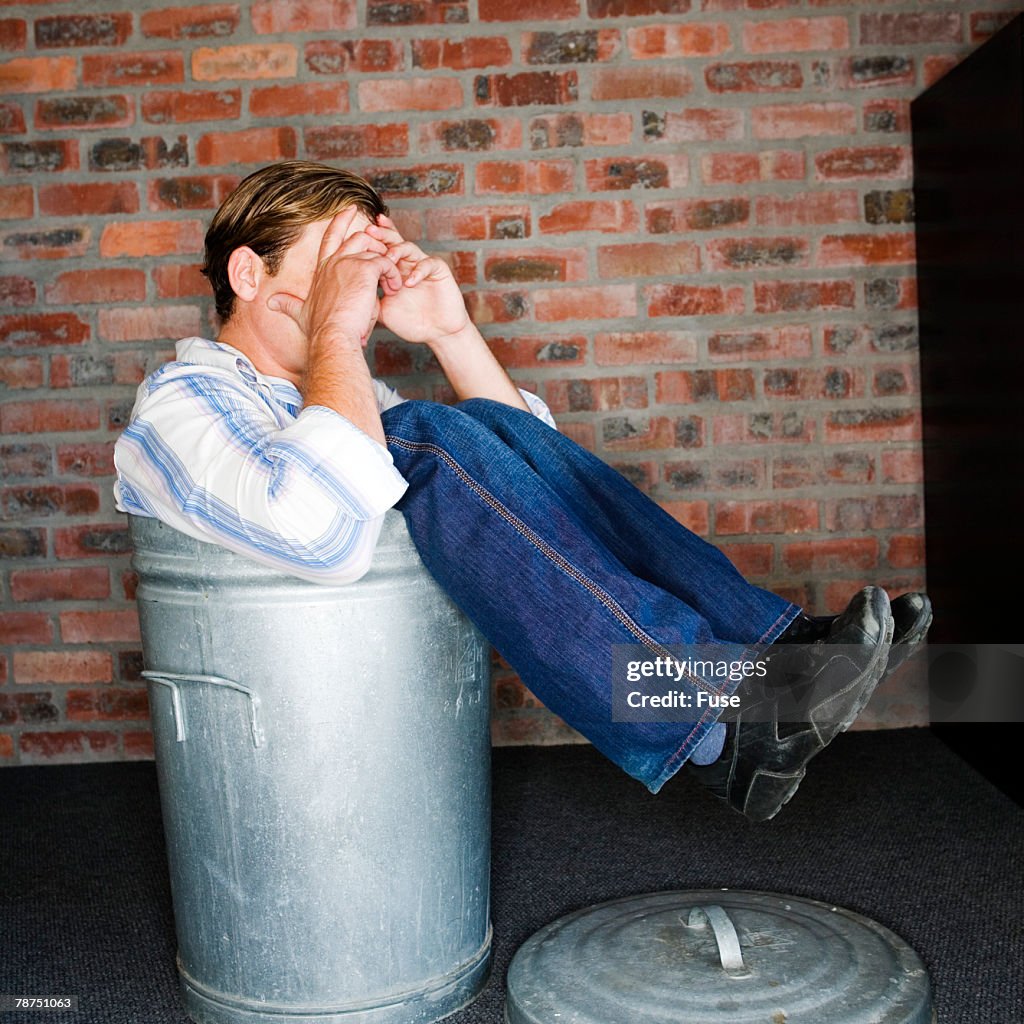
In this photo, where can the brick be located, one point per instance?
(853, 467)
(876, 423)
(147, 323)
(215, 20)
(16, 290)
(21, 372)
(715, 475)
(756, 517)
(251, 146)
(31, 330)
(918, 27)
(416, 12)
(647, 259)
(203, 192)
(754, 76)
(151, 238)
(90, 286)
(27, 708)
(597, 303)
(6, 746)
(679, 215)
(693, 300)
(985, 24)
(12, 118)
(905, 552)
(305, 99)
(902, 467)
(385, 94)
(820, 556)
(796, 35)
(864, 250)
(186, 107)
(138, 746)
(555, 131)
(38, 74)
(760, 343)
(596, 395)
(48, 416)
(800, 120)
(82, 30)
(694, 515)
(528, 10)
(461, 54)
(159, 67)
(179, 281)
(803, 384)
(615, 216)
(13, 34)
(533, 176)
(644, 348)
(568, 350)
(887, 116)
(684, 387)
(613, 173)
(54, 244)
(935, 67)
(67, 746)
(84, 112)
(339, 57)
(741, 168)
(497, 307)
(689, 39)
(25, 628)
(92, 198)
(89, 460)
(639, 83)
(895, 206)
(752, 560)
(340, 142)
(792, 427)
(876, 71)
(478, 222)
(528, 88)
(418, 181)
(470, 135)
(802, 296)
(56, 667)
(107, 704)
(883, 512)
(25, 461)
(807, 208)
(273, 17)
(756, 253)
(579, 46)
(700, 124)
(625, 433)
(635, 8)
(521, 265)
(250, 61)
(850, 163)
(151, 153)
(99, 626)
(29, 501)
(46, 156)
(21, 542)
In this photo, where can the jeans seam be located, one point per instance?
(548, 552)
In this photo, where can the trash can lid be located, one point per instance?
(716, 956)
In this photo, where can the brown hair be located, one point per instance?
(269, 209)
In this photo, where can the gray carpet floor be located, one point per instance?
(892, 825)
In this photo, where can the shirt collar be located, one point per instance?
(216, 353)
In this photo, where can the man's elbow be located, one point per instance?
(342, 555)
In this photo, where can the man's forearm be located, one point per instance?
(472, 369)
(337, 377)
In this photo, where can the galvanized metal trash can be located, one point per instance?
(323, 757)
(717, 956)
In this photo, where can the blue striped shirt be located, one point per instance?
(226, 454)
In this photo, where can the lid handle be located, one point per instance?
(725, 934)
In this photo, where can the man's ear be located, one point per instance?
(245, 269)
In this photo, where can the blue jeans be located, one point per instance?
(556, 557)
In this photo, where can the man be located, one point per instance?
(275, 442)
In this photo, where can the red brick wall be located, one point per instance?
(688, 226)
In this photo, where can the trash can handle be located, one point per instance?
(725, 934)
(172, 679)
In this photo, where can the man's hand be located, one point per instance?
(341, 306)
(429, 306)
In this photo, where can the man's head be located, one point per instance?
(268, 211)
